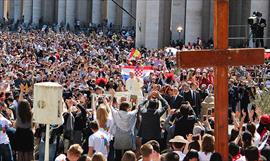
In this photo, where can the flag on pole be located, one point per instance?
(135, 54)
(140, 71)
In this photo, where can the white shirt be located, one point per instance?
(61, 157)
(4, 124)
(204, 157)
(242, 158)
(99, 142)
(181, 155)
(257, 139)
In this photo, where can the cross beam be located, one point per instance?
(221, 58)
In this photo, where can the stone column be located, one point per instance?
(96, 12)
(119, 14)
(235, 19)
(126, 19)
(70, 12)
(207, 16)
(133, 11)
(140, 23)
(211, 27)
(17, 10)
(111, 12)
(7, 9)
(61, 18)
(166, 23)
(27, 10)
(104, 11)
(11, 9)
(36, 11)
(193, 27)
(1, 9)
(48, 11)
(177, 19)
(82, 11)
(153, 24)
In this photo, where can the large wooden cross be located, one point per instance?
(220, 58)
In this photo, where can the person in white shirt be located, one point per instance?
(134, 85)
(251, 127)
(99, 141)
(178, 145)
(5, 148)
(208, 147)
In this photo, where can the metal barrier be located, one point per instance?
(241, 36)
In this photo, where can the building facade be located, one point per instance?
(156, 21)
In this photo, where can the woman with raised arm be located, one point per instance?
(24, 138)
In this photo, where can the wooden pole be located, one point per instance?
(221, 23)
(221, 111)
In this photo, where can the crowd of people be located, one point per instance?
(167, 115)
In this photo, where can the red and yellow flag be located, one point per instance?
(135, 54)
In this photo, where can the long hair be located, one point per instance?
(24, 111)
(208, 144)
(102, 116)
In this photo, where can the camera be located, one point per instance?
(254, 19)
(100, 100)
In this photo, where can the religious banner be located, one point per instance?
(48, 106)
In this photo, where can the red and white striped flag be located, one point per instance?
(140, 71)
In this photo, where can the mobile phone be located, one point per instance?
(213, 110)
(209, 112)
(204, 117)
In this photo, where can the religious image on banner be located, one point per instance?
(134, 78)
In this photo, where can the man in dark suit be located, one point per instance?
(233, 96)
(260, 25)
(176, 99)
(173, 98)
(191, 95)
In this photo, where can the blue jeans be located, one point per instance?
(52, 150)
(5, 152)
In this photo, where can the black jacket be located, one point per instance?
(184, 125)
(194, 101)
(150, 124)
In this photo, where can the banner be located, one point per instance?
(140, 71)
